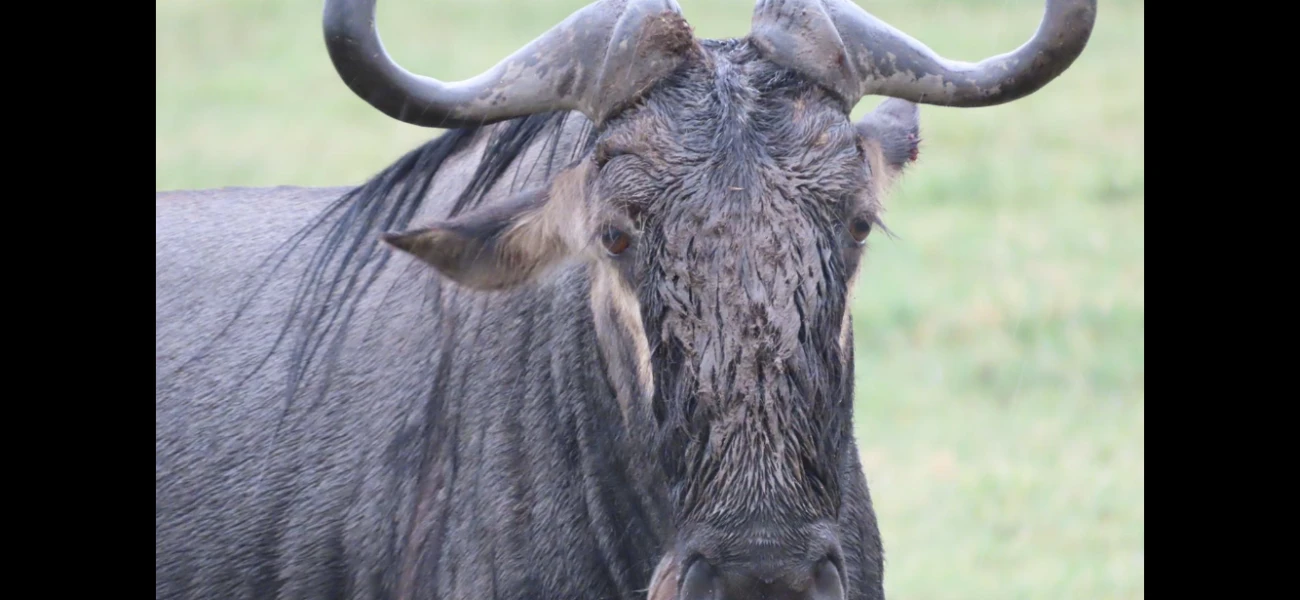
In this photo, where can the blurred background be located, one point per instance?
(1000, 336)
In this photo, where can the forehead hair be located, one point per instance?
(736, 131)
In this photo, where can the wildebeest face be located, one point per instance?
(724, 219)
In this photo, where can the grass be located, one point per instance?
(1000, 337)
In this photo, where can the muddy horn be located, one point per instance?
(595, 61)
(844, 48)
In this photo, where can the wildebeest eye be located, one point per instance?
(615, 240)
(860, 228)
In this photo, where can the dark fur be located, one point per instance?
(420, 439)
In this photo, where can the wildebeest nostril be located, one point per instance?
(827, 583)
(700, 583)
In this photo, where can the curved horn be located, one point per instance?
(855, 54)
(594, 61)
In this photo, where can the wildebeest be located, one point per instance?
(592, 342)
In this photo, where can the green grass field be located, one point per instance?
(1000, 337)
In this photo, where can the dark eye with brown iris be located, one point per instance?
(615, 240)
(859, 229)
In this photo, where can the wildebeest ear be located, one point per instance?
(893, 132)
(504, 245)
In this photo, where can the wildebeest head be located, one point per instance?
(723, 209)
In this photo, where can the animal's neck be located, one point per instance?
(528, 399)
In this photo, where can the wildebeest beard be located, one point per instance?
(743, 288)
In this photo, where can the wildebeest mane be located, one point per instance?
(347, 257)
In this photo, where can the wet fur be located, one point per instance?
(359, 425)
